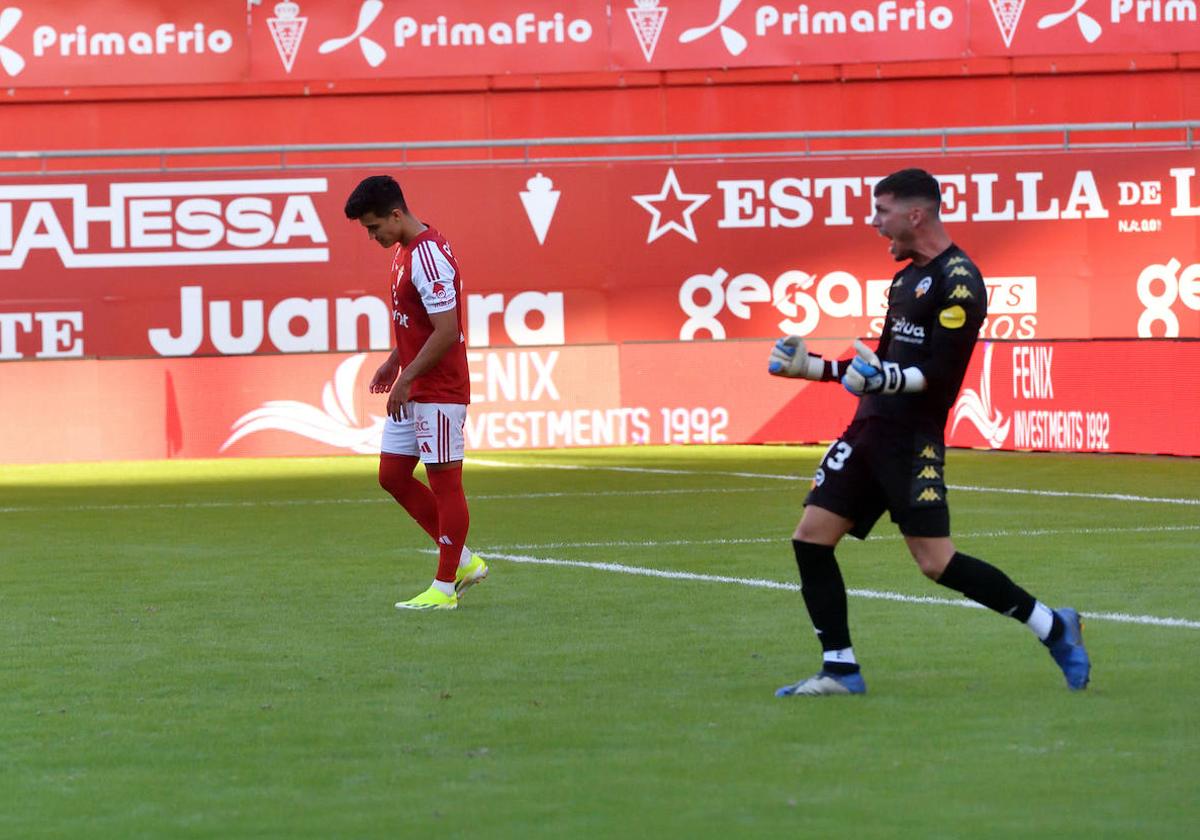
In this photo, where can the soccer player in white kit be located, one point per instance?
(426, 379)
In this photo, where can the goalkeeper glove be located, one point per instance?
(789, 357)
(868, 375)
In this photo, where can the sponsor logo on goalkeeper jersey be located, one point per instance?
(905, 330)
(952, 317)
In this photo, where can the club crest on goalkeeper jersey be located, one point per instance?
(425, 281)
(933, 319)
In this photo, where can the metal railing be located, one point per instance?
(798, 144)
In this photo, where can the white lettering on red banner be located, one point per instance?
(73, 43)
(164, 223)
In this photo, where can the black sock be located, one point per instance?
(987, 585)
(825, 596)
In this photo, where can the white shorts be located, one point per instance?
(432, 431)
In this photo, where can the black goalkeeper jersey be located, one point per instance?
(933, 319)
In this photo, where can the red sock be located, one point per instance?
(453, 519)
(395, 476)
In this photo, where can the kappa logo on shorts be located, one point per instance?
(930, 472)
(929, 452)
(929, 495)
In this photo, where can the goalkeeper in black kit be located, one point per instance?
(892, 455)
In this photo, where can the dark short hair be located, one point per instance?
(912, 183)
(379, 194)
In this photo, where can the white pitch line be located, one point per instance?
(968, 488)
(762, 583)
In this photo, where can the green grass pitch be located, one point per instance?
(209, 649)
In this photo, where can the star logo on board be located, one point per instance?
(540, 200)
(680, 222)
(287, 28)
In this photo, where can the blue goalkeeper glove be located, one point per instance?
(789, 357)
(868, 375)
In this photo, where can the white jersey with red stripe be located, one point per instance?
(425, 281)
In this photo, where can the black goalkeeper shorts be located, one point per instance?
(875, 467)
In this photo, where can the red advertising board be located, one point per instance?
(339, 40)
(1072, 245)
(1086, 396)
(154, 42)
(73, 43)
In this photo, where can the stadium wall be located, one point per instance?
(183, 282)
(1059, 396)
(233, 313)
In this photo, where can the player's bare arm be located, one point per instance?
(382, 381)
(445, 335)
